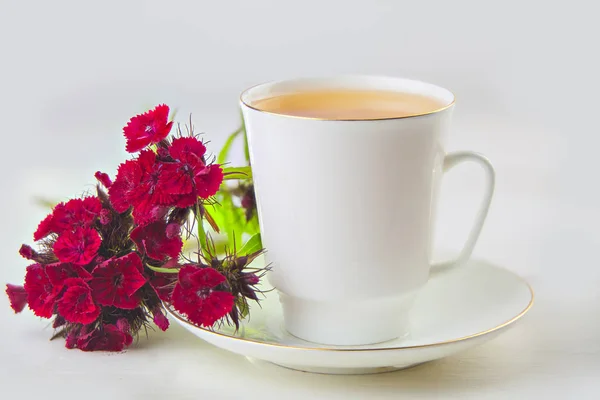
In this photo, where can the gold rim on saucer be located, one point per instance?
(496, 328)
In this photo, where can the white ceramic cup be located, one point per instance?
(346, 208)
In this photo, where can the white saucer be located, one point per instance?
(457, 309)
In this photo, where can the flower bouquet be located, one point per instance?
(175, 227)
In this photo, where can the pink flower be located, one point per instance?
(78, 247)
(17, 296)
(196, 295)
(41, 295)
(148, 128)
(152, 239)
(76, 304)
(116, 281)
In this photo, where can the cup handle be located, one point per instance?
(450, 161)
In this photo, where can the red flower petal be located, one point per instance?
(128, 177)
(194, 295)
(76, 213)
(160, 319)
(208, 181)
(152, 239)
(41, 294)
(173, 230)
(58, 322)
(177, 178)
(104, 338)
(187, 150)
(78, 247)
(76, 305)
(105, 217)
(146, 212)
(104, 179)
(28, 253)
(45, 228)
(185, 200)
(17, 296)
(124, 327)
(145, 129)
(163, 285)
(200, 278)
(58, 273)
(116, 280)
(214, 307)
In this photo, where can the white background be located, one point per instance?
(525, 75)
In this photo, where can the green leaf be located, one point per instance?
(252, 227)
(246, 148)
(201, 232)
(253, 245)
(224, 153)
(230, 219)
(163, 270)
(44, 202)
(242, 305)
(237, 173)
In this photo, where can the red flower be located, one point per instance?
(150, 127)
(124, 327)
(128, 177)
(68, 216)
(138, 185)
(58, 322)
(103, 178)
(208, 181)
(145, 213)
(116, 280)
(78, 247)
(160, 319)
(152, 239)
(163, 285)
(105, 216)
(189, 175)
(151, 177)
(75, 213)
(59, 272)
(196, 296)
(44, 228)
(17, 296)
(41, 295)
(76, 304)
(106, 337)
(27, 252)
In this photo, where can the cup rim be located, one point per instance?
(415, 86)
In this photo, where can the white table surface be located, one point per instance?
(546, 237)
(526, 77)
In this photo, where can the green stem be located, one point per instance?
(237, 173)
(163, 270)
(201, 232)
(224, 153)
(246, 149)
